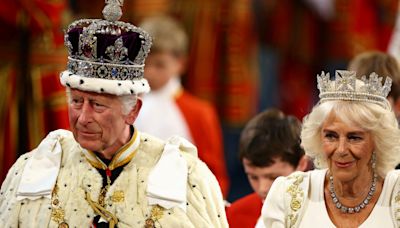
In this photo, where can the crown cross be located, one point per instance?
(88, 46)
(345, 82)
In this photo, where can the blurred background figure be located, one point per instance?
(394, 44)
(169, 109)
(269, 148)
(384, 65)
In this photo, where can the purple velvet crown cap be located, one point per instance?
(130, 40)
(106, 56)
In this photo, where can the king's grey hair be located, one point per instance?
(128, 102)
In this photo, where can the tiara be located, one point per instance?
(346, 86)
(111, 50)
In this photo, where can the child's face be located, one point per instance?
(160, 68)
(261, 178)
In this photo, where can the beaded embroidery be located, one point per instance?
(57, 212)
(297, 195)
(156, 213)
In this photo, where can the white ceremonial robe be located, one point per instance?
(204, 207)
(298, 201)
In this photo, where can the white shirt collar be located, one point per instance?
(168, 90)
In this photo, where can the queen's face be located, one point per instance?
(348, 149)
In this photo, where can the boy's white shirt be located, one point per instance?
(160, 116)
(260, 223)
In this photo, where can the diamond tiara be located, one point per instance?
(347, 87)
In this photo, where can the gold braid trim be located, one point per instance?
(110, 217)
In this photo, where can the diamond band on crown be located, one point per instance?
(104, 70)
(346, 86)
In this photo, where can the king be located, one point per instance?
(104, 172)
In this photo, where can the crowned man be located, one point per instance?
(105, 173)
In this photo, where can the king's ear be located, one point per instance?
(133, 114)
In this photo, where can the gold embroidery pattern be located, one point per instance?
(296, 193)
(397, 206)
(118, 196)
(156, 214)
(57, 213)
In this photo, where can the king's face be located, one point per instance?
(97, 121)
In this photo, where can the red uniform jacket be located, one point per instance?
(205, 129)
(244, 212)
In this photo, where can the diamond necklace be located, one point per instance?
(360, 206)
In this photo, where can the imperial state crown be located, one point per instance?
(106, 56)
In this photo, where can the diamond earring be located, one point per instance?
(373, 160)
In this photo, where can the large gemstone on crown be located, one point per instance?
(117, 55)
(85, 69)
(72, 66)
(87, 51)
(114, 72)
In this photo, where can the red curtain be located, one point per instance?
(33, 102)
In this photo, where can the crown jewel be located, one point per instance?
(112, 11)
(107, 49)
(346, 86)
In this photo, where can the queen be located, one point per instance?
(353, 138)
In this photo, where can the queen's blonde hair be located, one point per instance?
(380, 122)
